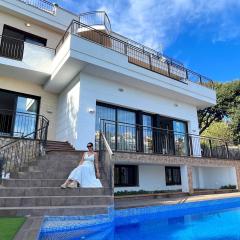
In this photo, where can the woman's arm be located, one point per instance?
(82, 160)
(96, 164)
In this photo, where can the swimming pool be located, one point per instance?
(212, 220)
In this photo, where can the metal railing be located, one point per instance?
(96, 18)
(139, 56)
(11, 48)
(151, 140)
(43, 5)
(26, 148)
(19, 124)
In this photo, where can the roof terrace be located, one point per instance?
(96, 27)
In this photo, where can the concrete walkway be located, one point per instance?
(30, 229)
(132, 203)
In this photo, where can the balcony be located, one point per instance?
(136, 53)
(25, 58)
(130, 138)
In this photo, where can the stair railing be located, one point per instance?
(22, 151)
(105, 155)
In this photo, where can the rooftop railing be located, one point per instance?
(43, 5)
(136, 55)
(96, 18)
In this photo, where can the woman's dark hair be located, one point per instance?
(90, 143)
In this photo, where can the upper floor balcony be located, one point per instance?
(25, 60)
(137, 54)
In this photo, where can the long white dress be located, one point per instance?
(85, 174)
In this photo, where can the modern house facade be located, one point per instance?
(90, 82)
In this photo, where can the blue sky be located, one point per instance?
(203, 34)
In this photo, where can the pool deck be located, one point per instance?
(30, 229)
(127, 202)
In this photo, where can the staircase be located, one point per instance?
(35, 191)
(58, 146)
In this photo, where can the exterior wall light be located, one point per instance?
(27, 24)
(121, 90)
(91, 110)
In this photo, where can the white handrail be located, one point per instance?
(107, 145)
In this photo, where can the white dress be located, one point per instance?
(85, 174)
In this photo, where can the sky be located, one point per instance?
(203, 34)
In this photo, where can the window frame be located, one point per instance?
(136, 175)
(172, 183)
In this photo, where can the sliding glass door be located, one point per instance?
(126, 133)
(18, 114)
(118, 125)
(180, 138)
(135, 131)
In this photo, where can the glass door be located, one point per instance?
(105, 121)
(18, 114)
(26, 116)
(147, 133)
(126, 130)
(180, 138)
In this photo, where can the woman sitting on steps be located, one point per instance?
(84, 174)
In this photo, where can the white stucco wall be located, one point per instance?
(213, 177)
(151, 178)
(95, 89)
(68, 114)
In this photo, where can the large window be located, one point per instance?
(173, 176)
(125, 175)
(137, 131)
(18, 113)
(180, 138)
(118, 125)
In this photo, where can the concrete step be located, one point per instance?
(13, 182)
(54, 191)
(46, 175)
(36, 201)
(54, 210)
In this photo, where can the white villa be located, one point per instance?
(91, 84)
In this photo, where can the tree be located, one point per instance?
(228, 106)
(220, 130)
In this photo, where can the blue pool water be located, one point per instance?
(211, 220)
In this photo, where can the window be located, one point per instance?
(173, 176)
(125, 175)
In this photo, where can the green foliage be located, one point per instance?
(9, 226)
(228, 187)
(219, 130)
(125, 193)
(227, 107)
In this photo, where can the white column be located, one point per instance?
(186, 178)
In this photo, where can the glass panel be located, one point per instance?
(26, 118)
(126, 133)
(102, 114)
(147, 134)
(180, 137)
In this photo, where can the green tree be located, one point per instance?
(219, 130)
(228, 106)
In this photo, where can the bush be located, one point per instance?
(229, 186)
